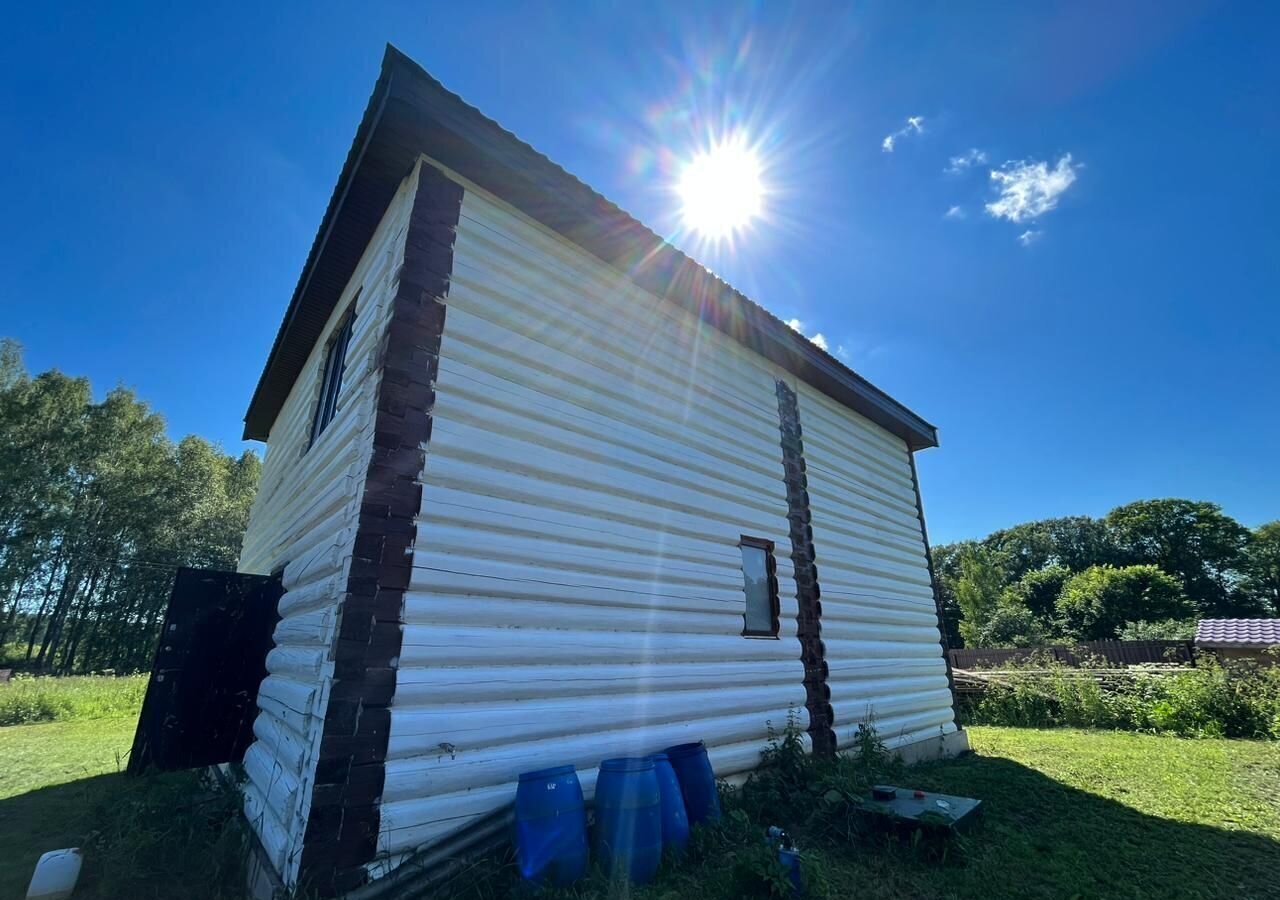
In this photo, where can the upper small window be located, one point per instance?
(760, 584)
(335, 365)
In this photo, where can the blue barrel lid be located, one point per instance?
(627, 764)
(545, 774)
(686, 749)
(659, 757)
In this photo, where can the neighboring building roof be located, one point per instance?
(1238, 632)
(411, 114)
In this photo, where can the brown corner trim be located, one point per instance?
(808, 593)
(933, 582)
(342, 829)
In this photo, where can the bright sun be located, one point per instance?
(721, 190)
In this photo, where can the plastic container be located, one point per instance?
(675, 821)
(697, 781)
(788, 856)
(56, 875)
(551, 826)
(790, 859)
(628, 837)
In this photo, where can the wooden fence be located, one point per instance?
(1115, 653)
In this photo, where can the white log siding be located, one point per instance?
(304, 518)
(577, 593)
(879, 621)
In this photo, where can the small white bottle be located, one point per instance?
(56, 875)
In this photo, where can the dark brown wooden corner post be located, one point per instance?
(342, 830)
(808, 594)
(933, 582)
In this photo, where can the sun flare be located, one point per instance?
(721, 190)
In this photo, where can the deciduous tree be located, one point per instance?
(1262, 567)
(1096, 603)
(97, 509)
(977, 590)
(1193, 541)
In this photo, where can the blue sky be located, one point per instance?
(166, 170)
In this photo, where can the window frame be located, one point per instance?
(332, 375)
(771, 573)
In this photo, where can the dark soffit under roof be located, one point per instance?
(411, 114)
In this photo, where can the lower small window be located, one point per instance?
(760, 584)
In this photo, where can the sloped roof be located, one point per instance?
(1238, 632)
(411, 114)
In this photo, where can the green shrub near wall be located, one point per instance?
(25, 699)
(1240, 700)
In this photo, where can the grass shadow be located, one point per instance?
(156, 836)
(48, 819)
(1041, 838)
(1038, 838)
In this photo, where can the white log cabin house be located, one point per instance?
(542, 490)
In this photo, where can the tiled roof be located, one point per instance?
(1242, 632)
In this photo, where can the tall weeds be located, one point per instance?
(26, 700)
(1238, 700)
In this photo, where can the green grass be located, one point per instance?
(36, 756)
(26, 700)
(1074, 813)
(1068, 813)
(62, 785)
(51, 777)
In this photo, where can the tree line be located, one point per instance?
(98, 508)
(1145, 570)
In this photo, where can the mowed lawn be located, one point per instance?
(1073, 813)
(1068, 814)
(52, 775)
(62, 784)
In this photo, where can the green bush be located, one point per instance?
(1096, 603)
(1159, 630)
(13, 654)
(1240, 700)
(27, 699)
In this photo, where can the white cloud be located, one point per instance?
(1029, 237)
(954, 212)
(819, 339)
(967, 160)
(915, 125)
(1029, 189)
(843, 352)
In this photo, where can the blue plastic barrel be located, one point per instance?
(675, 821)
(697, 781)
(551, 826)
(629, 818)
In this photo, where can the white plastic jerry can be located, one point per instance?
(56, 875)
